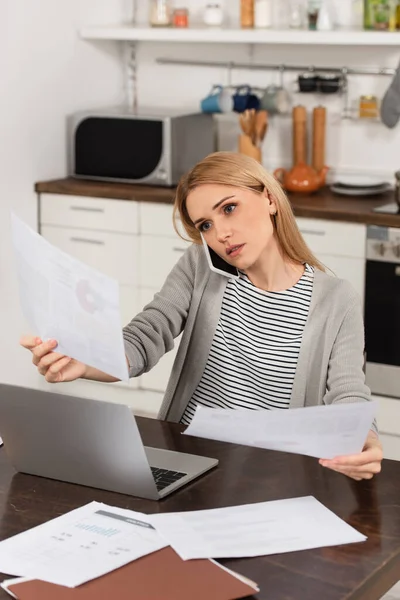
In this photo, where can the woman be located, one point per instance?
(283, 334)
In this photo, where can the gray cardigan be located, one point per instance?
(330, 364)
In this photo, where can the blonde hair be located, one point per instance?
(238, 170)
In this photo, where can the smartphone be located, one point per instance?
(218, 264)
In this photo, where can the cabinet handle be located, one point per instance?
(176, 249)
(312, 231)
(87, 208)
(87, 241)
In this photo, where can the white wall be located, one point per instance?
(46, 72)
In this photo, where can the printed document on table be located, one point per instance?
(320, 431)
(64, 299)
(254, 529)
(81, 545)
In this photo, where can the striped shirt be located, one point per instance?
(255, 349)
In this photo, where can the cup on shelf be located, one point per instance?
(219, 100)
(275, 100)
(244, 99)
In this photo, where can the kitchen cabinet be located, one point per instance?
(132, 242)
(389, 425)
(135, 242)
(340, 246)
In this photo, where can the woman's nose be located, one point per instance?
(222, 233)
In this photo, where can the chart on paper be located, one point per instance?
(79, 546)
(66, 300)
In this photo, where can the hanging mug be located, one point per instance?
(275, 100)
(219, 100)
(244, 99)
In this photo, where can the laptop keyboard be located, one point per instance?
(164, 477)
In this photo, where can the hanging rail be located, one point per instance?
(277, 67)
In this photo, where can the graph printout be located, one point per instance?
(79, 546)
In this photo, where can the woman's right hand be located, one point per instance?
(55, 367)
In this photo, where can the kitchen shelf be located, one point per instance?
(241, 36)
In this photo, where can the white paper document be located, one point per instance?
(64, 299)
(79, 546)
(320, 431)
(254, 529)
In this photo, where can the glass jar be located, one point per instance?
(180, 17)
(368, 107)
(380, 14)
(296, 14)
(160, 13)
(313, 7)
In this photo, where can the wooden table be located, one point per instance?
(358, 571)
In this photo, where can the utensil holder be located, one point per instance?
(247, 147)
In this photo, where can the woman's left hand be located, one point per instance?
(359, 466)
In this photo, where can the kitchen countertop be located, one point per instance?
(323, 204)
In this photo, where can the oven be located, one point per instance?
(382, 310)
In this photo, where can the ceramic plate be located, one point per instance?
(345, 191)
(359, 181)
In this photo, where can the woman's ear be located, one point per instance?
(271, 201)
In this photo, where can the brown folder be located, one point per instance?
(162, 575)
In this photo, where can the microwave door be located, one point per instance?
(118, 149)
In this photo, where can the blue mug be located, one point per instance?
(243, 99)
(219, 100)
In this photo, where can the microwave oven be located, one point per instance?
(147, 146)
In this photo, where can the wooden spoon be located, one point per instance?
(251, 115)
(247, 119)
(261, 126)
(244, 123)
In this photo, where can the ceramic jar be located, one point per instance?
(213, 15)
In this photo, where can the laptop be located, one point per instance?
(89, 442)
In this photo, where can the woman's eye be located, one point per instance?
(205, 226)
(229, 208)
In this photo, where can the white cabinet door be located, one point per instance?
(64, 239)
(98, 214)
(157, 219)
(391, 446)
(388, 414)
(129, 303)
(158, 377)
(389, 425)
(340, 247)
(351, 269)
(113, 254)
(143, 403)
(334, 237)
(128, 300)
(158, 255)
